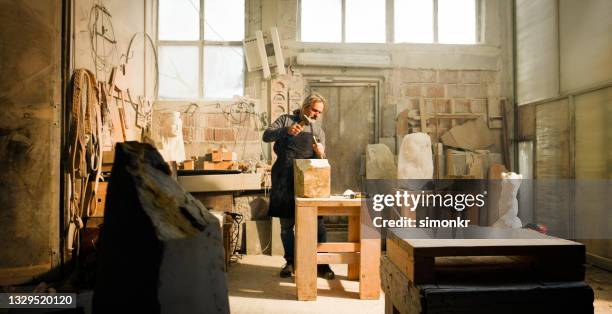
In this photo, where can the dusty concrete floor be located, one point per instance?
(601, 282)
(255, 287)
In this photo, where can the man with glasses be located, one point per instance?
(293, 140)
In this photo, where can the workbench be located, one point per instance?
(362, 254)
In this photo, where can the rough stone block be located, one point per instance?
(380, 162)
(277, 243)
(258, 240)
(161, 249)
(312, 177)
(389, 141)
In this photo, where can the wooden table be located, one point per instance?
(483, 270)
(362, 255)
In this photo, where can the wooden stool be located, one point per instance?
(362, 255)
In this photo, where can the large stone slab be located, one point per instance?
(312, 177)
(380, 162)
(161, 250)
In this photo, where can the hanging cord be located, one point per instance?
(234, 249)
(84, 151)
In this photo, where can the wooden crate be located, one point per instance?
(486, 252)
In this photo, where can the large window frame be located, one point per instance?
(201, 44)
(390, 24)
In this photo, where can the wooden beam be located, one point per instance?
(339, 211)
(338, 247)
(337, 258)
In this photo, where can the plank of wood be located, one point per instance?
(305, 252)
(327, 202)
(549, 258)
(353, 236)
(338, 258)
(337, 247)
(416, 269)
(401, 296)
(339, 211)
(369, 261)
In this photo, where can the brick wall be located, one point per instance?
(438, 91)
(203, 131)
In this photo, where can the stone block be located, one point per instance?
(161, 249)
(312, 177)
(390, 142)
(258, 240)
(380, 162)
(277, 243)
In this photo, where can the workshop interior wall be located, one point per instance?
(30, 98)
(126, 19)
(577, 72)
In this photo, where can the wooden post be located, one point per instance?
(353, 236)
(306, 252)
(369, 260)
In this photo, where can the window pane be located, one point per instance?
(224, 20)
(321, 20)
(223, 71)
(365, 21)
(457, 21)
(178, 72)
(414, 21)
(179, 19)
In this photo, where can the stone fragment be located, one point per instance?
(312, 177)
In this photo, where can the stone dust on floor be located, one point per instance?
(255, 287)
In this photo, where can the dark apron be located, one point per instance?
(282, 195)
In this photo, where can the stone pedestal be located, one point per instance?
(312, 177)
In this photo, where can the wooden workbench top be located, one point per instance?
(327, 201)
(477, 240)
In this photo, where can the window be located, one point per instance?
(435, 21)
(200, 48)
(413, 21)
(357, 21)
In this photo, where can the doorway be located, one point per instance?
(350, 124)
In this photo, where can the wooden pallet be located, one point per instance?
(491, 251)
